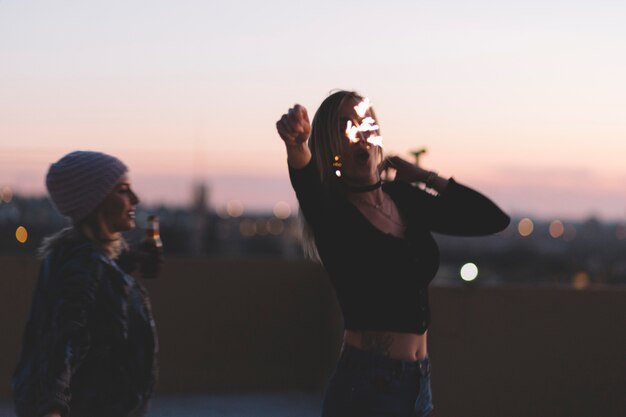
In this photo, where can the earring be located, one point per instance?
(337, 164)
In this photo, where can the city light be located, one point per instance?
(247, 228)
(234, 208)
(525, 227)
(581, 280)
(6, 194)
(569, 234)
(275, 226)
(469, 272)
(282, 210)
(556, 229)
(21, 234)
(261, 227)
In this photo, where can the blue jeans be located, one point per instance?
(367, 384)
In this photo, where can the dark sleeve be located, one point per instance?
(128, 260)
(458, 210)
(68, 339)
(309, 191)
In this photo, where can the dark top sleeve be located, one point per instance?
(459, 211)
(309, 191)
(68, 338)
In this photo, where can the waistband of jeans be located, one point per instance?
(358, 358)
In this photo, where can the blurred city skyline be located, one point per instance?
(526, 107)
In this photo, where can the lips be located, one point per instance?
(131, 214)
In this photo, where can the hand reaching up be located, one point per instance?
(294, 129)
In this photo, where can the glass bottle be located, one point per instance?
(152, 248)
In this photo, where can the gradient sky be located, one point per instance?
(524, 100)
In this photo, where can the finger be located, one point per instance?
(284, 135)
(302, 113)
(283, 131)
(294, 116)
(286, 121)
(297, 123)
(392, 161)
(303, 119)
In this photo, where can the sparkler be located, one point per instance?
(367, 125)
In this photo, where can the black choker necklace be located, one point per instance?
(362, 188)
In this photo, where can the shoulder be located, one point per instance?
(76, 263)
(81, 251)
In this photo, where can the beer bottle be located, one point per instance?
(152, 248)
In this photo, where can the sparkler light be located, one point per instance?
(367, 125)
(363, 107)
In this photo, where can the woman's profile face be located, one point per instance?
(360, 158)
(118, 208)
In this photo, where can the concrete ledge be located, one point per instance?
(260, 325)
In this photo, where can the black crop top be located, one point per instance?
(381, 281)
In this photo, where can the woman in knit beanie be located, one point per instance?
(90, 344)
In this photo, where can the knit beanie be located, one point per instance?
(81, 180)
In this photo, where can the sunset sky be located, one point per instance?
(523, 100)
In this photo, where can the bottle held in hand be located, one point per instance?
(152, 250)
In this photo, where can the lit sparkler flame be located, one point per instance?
(363, 107)
(368, 124)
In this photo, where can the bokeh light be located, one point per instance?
(620, 232)
(6, 194)
(525, 227)
(570, 233)
(469, 272)
(556, 229)
(234, 208)
(282, 210)
(261, 227)
(21, 234)
(581, 280)
(276, 226)
(247, 227)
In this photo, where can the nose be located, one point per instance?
(134, 199)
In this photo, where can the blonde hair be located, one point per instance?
(327, 140)
(94, 228)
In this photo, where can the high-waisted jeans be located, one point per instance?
(367, 384)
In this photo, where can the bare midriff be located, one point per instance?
(404, 346)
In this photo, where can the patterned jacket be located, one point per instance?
(90, 342)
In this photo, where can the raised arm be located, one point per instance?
(411, 173)
(455, 210)
(462, 211)
(294, 129)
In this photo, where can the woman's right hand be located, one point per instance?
(294, 129)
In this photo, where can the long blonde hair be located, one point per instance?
(328, 140)
(94, 228)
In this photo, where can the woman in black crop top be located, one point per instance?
(374, 240)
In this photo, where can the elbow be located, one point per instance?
(503, 221)
(494, 223)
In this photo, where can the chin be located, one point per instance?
(126, 226)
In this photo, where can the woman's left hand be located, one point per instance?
(405, 171)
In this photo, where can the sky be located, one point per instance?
(523, 100)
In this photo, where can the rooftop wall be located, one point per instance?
(259, 325)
